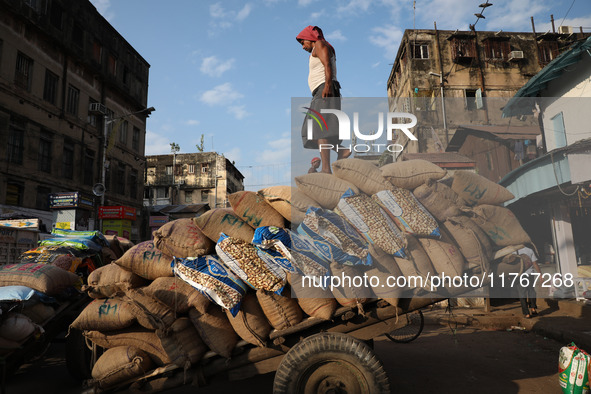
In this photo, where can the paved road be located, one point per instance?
(441, 360)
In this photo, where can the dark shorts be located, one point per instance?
(320, 130)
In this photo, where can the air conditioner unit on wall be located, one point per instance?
(565, 29)
(97, 108)
(514, 55)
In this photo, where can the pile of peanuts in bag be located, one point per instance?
(236, 274)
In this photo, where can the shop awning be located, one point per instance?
(520, 106)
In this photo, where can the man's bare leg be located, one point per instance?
(325, 156)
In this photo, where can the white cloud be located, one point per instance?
(388, 38)
(336, 35)
(214, 67)
(234, 154)
(192, 122)
(224, 18)
(375, 64)
(304, 3)
(156, 144)
(244, 12)
(317, 14)
(354, 6)
(238, 111)
(102, 6)
(221, 95)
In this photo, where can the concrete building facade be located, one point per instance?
(73, 96)
(191, 178)
(451, 78)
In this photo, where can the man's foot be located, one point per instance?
(343, 154)
(326, 172)
(527, 316)
(534, 312)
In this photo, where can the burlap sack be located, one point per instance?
(314, 300)
(111, 280)
(381, 281)
(125, 244)
(366, 176)
(351, 293)
(114, 245)
(254, 210)
(45, 278)
(108, 255)
(149, 311)
(39, 312)
(410, 174)
(282, 311)
(250, 323)
(224, 220)
(326, 189)
(439, 199)
(475, 189)
(145, 260)
(444, 256)
(182, 343)
(215, 330)
(177, 294)
(135, 336)
(106, 314)
(182, 238)
(417, 260)
(473, 243)
(118, 364)
(500, 224)
(17, 327)
(291, 203)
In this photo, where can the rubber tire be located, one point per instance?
(78, 355)
(414, 331)
(307, 361)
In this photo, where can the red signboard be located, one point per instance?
(117, 212)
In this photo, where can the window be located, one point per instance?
(189, 196)
(133, 178)
(97, 52)
(548, 50)
(24, 71)
(42, 199)
(191, 168)
(68, 160)
(112, 65)
(45, 146)
(50, 88)
(162, 192)
(16, 142)
(559, 130)
(92, 119)
(88, 172)
(204, 168)
(420, 51)
(204, 195)
(120, 179)
(135, 139)
(56, 15)
(73, 99)
(169, 170)
(471, 99)
(496, 49)
(123, 132)
(14, 193)
(463, 49)
(77, 36)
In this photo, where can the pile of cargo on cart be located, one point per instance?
(237, 290)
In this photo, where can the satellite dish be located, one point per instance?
(98, 189)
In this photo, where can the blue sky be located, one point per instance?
(229, 69)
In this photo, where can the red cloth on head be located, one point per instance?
(312, 33)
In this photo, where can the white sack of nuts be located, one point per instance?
(372, 222)
(408, 213)
(335, 237)
(212, 278)
(244, 260)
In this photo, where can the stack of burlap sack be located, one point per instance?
(45, 278)
(238, 273)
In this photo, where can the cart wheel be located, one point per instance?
(411, 330)
(330, 363)
(78, 355)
